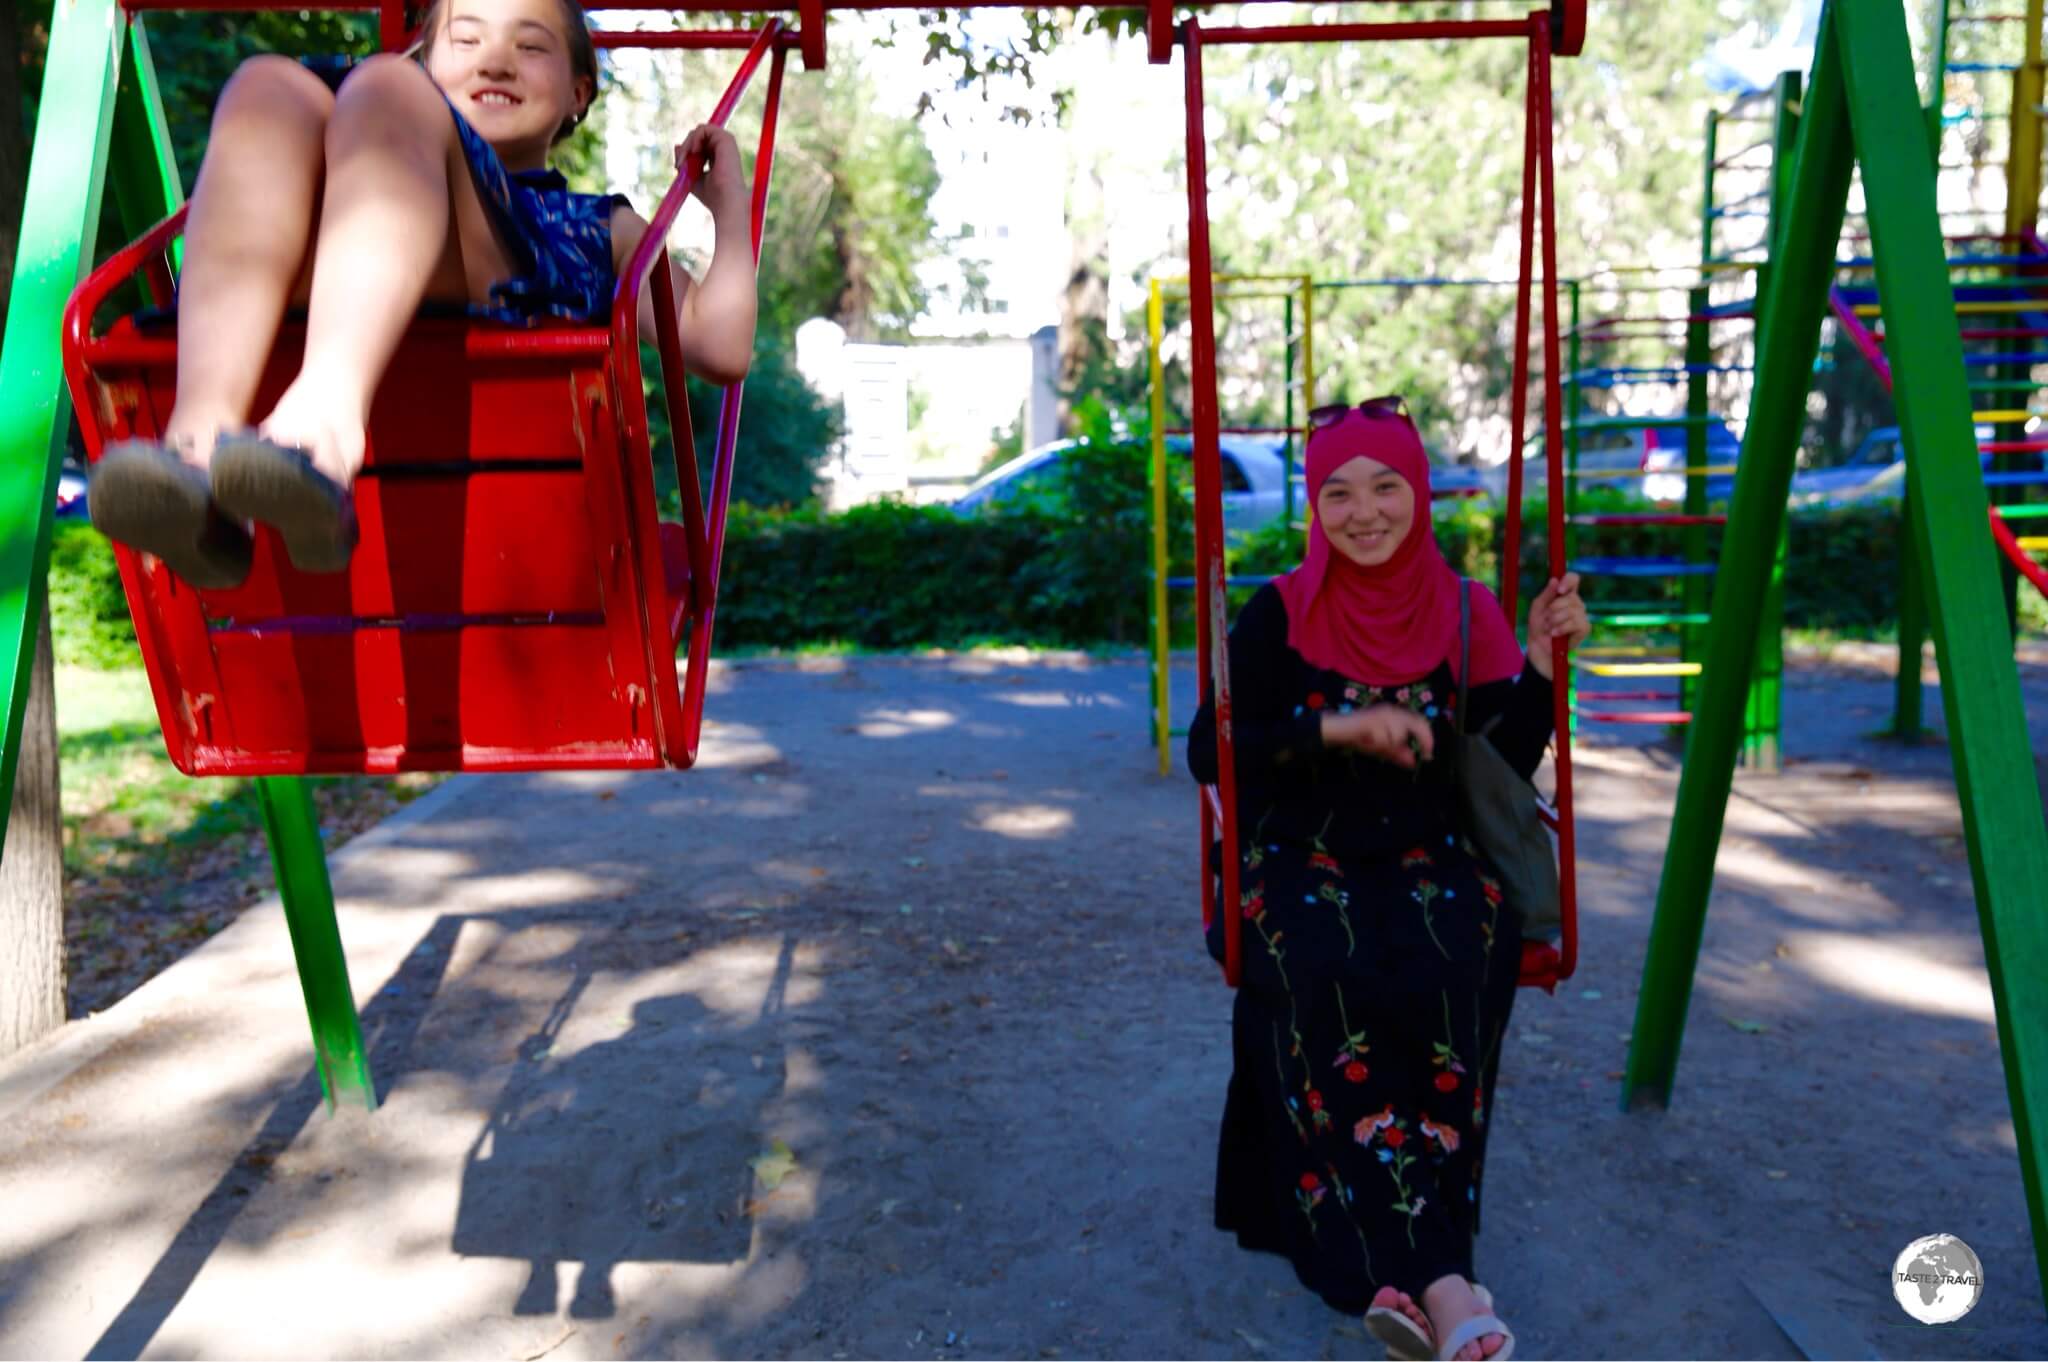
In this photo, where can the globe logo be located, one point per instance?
(1937, 1279)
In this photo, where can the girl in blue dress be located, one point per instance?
(423, 178)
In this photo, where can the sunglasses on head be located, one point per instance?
(1391, 405)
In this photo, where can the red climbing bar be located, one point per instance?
(708, 40)
(2019, 557)
(1370, 33)
(1665, 716)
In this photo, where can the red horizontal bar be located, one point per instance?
(480, 340)
(1666, 716)
(1368, 33)
(2012, 446)
(705, 40)
(1626, 695)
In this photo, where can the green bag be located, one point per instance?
(1502, 812)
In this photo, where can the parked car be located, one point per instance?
(1613, 450)
(1664, 454)
(1253, 467)
(70, 491)
(1876, 471)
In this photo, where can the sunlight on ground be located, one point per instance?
(1058, 699)
(1027, 822)
(730, 744)
(1901, 972)
(899, 723)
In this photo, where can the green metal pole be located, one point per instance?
(143, 176)
(1698, 588)
(301, 864)
(60, 221)
(1763, 715)
(1569, 491)
(142, 168)
(1908, 703)
(1791, 304)
(1996, 780)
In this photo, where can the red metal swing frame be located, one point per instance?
(514, 602)
(1559, 29)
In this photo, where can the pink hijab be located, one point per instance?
(1391, 624)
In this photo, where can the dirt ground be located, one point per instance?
(888, 1033)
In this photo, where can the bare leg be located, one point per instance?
(400, 221)
(245, 242)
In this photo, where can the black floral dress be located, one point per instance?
(1379, 967)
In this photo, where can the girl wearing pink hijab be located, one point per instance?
(1380, 959)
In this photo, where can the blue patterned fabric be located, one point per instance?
(560, 241)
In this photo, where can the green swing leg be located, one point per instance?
(301, 864)
(1908, 703)
(146, 185)
(102, 126)
(1861, 106)
(60, 221)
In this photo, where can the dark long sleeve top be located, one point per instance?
(1292, 788)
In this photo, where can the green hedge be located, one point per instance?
(890, 576)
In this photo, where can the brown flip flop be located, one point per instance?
(257, 479)
(141, 494)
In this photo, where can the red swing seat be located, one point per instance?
(513, 603)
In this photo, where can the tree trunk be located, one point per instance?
(32, 871)
(32, 861)
(1084, 303)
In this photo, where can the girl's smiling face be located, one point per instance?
(1366, 510)
(509, 66)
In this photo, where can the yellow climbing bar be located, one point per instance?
(1989, 305)
(2037, 543)
(1643, 668)
(1710, 470)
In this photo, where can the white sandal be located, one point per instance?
(1406, 1340)
(1478, 1327)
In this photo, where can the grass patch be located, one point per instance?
(154, 860)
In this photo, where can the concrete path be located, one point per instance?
(888, 1033)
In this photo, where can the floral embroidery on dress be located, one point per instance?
(1425, 893)
(1444, 1137)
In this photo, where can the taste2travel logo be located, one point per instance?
(1937, 1279)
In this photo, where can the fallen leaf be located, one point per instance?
(1776, 1174)
(774, 1165)
(1748, 1028)
(607, 794)
(914, 862)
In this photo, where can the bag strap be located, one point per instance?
(1464, 647)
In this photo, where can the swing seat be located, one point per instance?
(512, 604)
